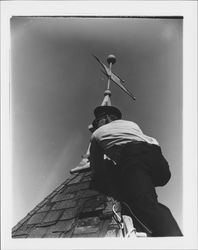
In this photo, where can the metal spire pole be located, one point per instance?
(84, 164)
(111, 59)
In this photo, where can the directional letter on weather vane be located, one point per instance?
(111, 59)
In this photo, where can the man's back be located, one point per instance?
(120, 132)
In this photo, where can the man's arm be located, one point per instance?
(96, 157)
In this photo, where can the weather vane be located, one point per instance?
(111, 59)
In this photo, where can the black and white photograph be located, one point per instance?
(96, 143)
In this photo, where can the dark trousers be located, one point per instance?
(142, 168)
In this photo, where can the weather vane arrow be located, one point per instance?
(111, 59)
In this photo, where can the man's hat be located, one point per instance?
(101, 111)
(107, 110)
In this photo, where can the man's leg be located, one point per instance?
(139, 193)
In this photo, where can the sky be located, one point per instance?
(56, 84)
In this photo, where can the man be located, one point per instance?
(140, 164)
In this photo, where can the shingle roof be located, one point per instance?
(74, 209)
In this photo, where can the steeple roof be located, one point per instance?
(74, 209)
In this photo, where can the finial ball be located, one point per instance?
(111, 59)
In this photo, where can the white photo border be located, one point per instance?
(187, 9)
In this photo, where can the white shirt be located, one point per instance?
(110, 137)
